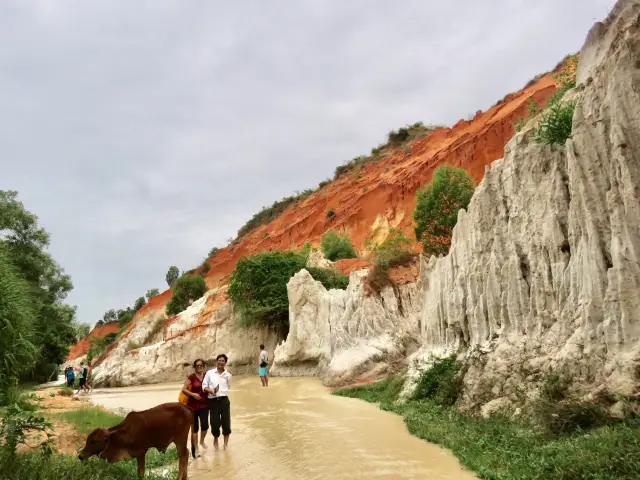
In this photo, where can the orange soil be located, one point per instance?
(379, 195)
(100, 331)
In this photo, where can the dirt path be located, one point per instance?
(66, 439)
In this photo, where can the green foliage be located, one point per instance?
(337, 247)
(555, 125)
(39, 466)
(437, 206)
(17, 350)
(268, 214)
(532, 110)
(140, 302)
(213, 252)
(329, 278)
(185, 290)
(204, 269)
(441, 383)
(172, 275)
(331, 213)
(258, 286)
(394, 250)
(99, 345)
(23, 243)
(15, 426)
(82, 330)
(152, 293)
(385, 392)
(556, 121)
(395, 139)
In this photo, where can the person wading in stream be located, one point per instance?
(217, 383)
(263, 365)
(197, 403)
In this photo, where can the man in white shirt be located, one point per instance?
(216, 384)
(263, 362)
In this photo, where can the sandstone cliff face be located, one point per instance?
(343, 335)
(153, 351)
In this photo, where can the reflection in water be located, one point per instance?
(295, 429)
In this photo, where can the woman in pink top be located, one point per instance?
(198, 404)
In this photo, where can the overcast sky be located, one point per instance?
(144, 133)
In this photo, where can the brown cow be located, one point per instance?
(157, 427)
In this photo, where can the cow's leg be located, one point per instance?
(183, 457)
(142, 458)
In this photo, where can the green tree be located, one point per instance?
(139, 303)
(82, 330)
(186, 290)
(152, 293)
(17, 350)
(24, 242)
(258, 287)
(437, 206)
(337, 247)
(172, 275)
(110, 316)
(213, 252)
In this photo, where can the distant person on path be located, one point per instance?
(264, 365)
(192, 388)
(217, 383)
(81, 379)
(70, 374)
(87, 377)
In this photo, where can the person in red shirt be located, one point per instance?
(198, 404)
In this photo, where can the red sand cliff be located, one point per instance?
(376, 196)
(99, 332)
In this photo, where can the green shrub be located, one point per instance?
(186, 290)
(440, 383)
(268, 214)
(329, 278)
(213, 252)
(331, 213)
(393, 251)
(337, 247)
(258, 287)
(437, 206)
(555, 125)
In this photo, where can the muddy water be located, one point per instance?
(294, 429)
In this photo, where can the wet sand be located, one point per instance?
(295, 429)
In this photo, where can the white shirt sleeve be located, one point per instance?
(228, 380)
(206, 382)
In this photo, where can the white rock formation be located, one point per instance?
(341, 335)
(167, 354)
(544, 268)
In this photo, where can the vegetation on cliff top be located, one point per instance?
(337, 247)
(562, 438)
(258, 286)
(437, 207)
(186, 290)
